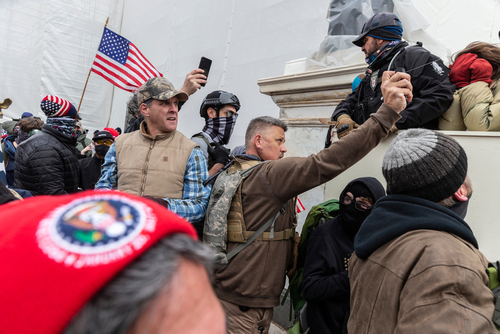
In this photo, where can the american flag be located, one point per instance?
(300, 206)
(120, 62)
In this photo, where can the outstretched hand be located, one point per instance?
(193, 81)
(397, 90)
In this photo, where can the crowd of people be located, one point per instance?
(118, 253)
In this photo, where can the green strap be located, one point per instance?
(261, 230)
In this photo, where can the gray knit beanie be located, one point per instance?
(425, 164)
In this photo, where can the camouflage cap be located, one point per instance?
(159, 88)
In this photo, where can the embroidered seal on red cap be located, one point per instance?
(95, 230)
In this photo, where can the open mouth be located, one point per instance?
(171, 118)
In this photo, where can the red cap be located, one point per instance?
(57, 252)
(113, 132)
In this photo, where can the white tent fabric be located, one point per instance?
(48, 47)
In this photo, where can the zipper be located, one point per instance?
(145, 168)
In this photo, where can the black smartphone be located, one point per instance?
(205, 64)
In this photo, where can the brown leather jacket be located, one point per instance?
(424, 281)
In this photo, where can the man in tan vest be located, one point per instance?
(250, 285)
(158, 161)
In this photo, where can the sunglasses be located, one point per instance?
(108, 142)
(230, 113)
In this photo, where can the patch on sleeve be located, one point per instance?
(438, 69)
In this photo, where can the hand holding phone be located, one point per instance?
(205, 64)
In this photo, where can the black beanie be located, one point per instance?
(424, 163)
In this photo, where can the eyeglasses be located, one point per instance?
(108, 142)
(359, 205)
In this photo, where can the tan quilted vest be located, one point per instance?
(152, 166)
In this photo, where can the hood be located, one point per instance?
(10, 149)
(372, 184)
(395, 215)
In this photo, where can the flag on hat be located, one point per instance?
(54, 106)
(120, 62)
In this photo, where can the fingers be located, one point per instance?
(195, 71)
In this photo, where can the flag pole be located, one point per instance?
(88, 76)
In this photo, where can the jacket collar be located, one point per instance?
(389, 54)
(394, 215)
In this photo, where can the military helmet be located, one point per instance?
(217, 99)
(379, 20)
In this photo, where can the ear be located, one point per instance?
(144, 109)
(211, 113)
(257, 140)
(460, 194)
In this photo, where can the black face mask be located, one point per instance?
(101, 149)
(352, 218)
(460, 208)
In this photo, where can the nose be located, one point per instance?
(283, 148)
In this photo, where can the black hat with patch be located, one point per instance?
(102, 135)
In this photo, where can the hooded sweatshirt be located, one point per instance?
(325, 283)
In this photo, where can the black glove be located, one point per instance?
(218, 153)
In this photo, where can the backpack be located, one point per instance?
(318, 215)
(224, 219)
(492, 272)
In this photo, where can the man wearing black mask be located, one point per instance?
(325, 283)
(90, 168)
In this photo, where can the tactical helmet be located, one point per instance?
(217, 99)
(379, 20)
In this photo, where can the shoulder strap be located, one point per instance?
(200, 135)
(264, 227)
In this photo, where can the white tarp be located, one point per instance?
(444, 27)
(49, 46)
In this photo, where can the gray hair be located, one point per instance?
(115, 308)
(260, 125)
(133, 106)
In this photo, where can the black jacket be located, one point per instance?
(46, 164)
(325, 282)
(90, 172)
(432, 90)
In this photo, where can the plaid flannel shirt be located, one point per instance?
(195, 197)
